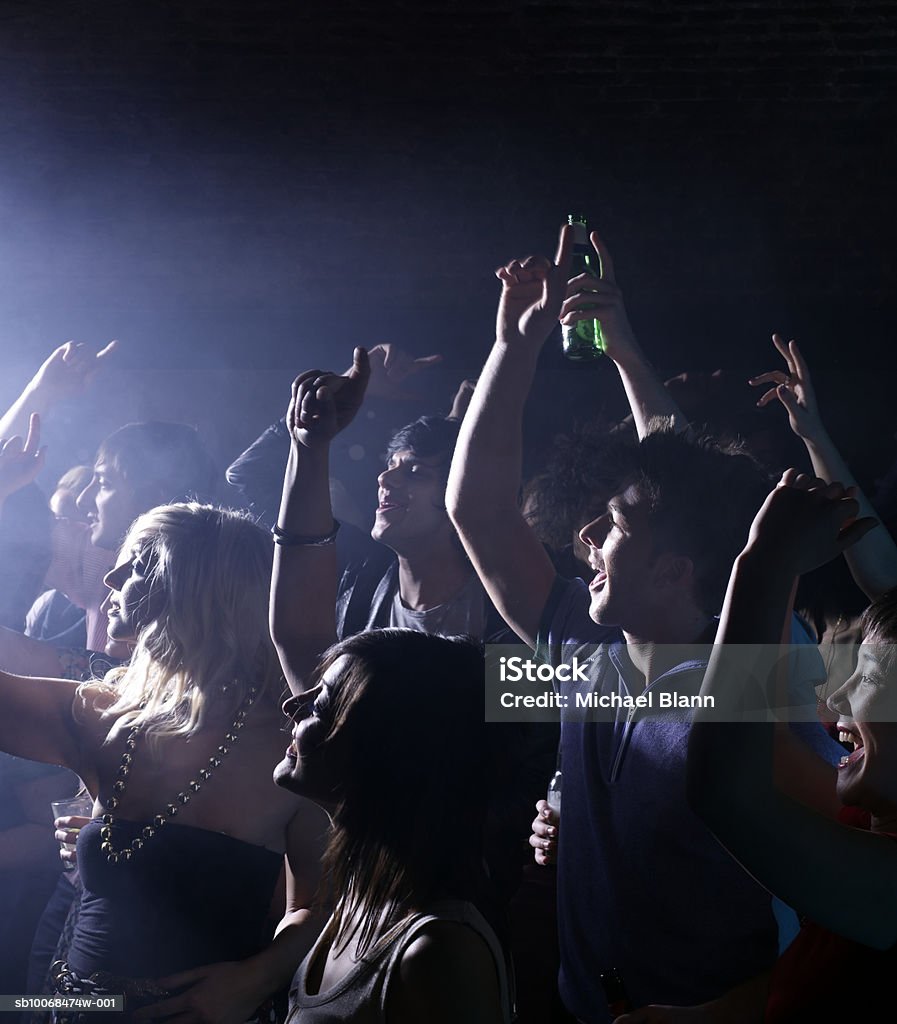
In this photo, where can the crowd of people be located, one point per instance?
(163, 641)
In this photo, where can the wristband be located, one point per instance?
(298, 540)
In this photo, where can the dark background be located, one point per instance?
(240, 191)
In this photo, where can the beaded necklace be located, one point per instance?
(114, 856)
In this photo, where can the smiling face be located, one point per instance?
(136, 597)
(110, 504)
(311, 765)
(411, 502)
(866, 706)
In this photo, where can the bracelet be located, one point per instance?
(298, 540)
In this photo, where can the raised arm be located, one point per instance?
(258, 472)
(65, 373)
(20, 461)
(591, 298)
(37, 723)
(484, 480)
(800, 855)
(304, 581)
(873, 559)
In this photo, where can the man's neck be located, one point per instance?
(664, 650)
(428, 579)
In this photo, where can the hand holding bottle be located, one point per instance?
(544, 839)
(598, 298)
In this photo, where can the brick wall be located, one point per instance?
(256, 187)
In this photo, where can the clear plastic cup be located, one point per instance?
(82, 806)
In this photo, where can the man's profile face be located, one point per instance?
(110, 504)
(411, 500)
(621, 552)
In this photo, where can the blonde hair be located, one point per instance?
(209, 643)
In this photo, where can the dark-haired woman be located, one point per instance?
(389, 736)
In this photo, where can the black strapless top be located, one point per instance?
(190, 897)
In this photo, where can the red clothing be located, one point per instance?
(823, 976)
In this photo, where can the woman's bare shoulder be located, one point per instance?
(448, 973)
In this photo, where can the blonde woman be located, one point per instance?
(182, 859)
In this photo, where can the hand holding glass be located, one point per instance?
(69, 817)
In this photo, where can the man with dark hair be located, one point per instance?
(426, 584)
(138, 467)
(643, 888)
(417, 575)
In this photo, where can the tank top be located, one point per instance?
(190, 897)
(360, 997)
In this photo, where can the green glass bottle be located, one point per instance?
(618, 1000)
(583, 341)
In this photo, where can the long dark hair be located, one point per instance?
(408, 716)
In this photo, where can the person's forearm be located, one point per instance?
(26, 656)
(258, 472)
(305, 501)
(486, 470)
(645, 391)
(731, 759)
(757, 602)
(752, 623)
(273, 968)
(873, 559)
(15, 419)
(303, 582)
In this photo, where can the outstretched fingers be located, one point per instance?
(801, 370)
(772, 377)
(361, 364)
(563, 256)
(605, 262)
(523, 271)
(107, 350)
(32, 441)
(784, 352)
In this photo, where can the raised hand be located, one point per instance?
(20, 462)
(461, 399)
(599, 298)
(806, 522)
(68, 370)
(531, 295)
(794, 389)
(391, 367)
(323, 404)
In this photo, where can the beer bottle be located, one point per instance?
(618, 1000)
(583, 342)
